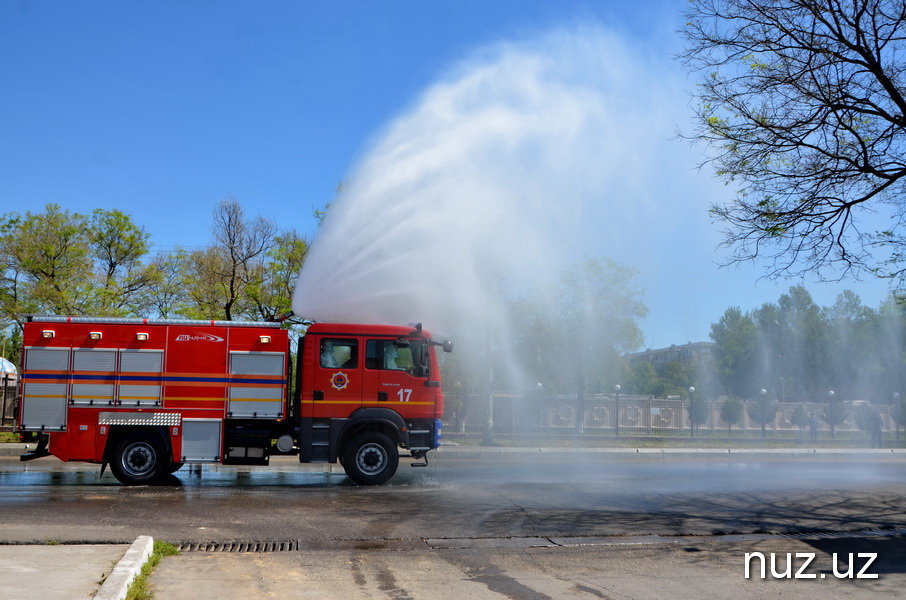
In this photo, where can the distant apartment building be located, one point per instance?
(698, 355)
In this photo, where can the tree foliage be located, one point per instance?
(834, 414)
(272, 289)
(167, 295)
(699, 410)
(799, 351)
(799, 418)
(61, 262)
(571, 336)
(762, 410)
(731, 412)
(803, 104)
(735, 335)
(233, 265)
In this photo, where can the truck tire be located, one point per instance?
(370, 458)
(139, 459)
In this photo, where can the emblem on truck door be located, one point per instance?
(339, 380)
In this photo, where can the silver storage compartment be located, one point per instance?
(44, 403)
(201, 440)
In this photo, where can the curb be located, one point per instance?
(15, 449)
(484, 452)
(126, 570)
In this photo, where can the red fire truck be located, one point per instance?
(147, 396)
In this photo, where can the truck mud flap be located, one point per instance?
(40, 450)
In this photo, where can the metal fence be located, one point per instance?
(8, 391)
(641, 415)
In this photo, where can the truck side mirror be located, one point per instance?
(448, 346)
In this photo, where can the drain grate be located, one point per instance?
(285, 546)
(448, 543)
(830, 535)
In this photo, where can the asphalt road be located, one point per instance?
(462, 494)
(484, 523)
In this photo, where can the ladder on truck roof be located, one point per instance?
(142, 321)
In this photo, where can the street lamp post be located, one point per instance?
(489, 432)
(617, 389)
(762, 411)
(896, 412)
(833, 414)
(691, 418)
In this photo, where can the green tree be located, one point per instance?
(569, 336)
(118, 247)
(219, 277)
(889, 344)
(60, 262)
(863, 416)
(596, 308)
(898, 413)
(674, 379)
(803, 341)
(11, 344)
(731, 412)
(46, 262)
(271, 288)
(699, 410)
(762, 410)
(791, 351)
(166, 294)
(737, 346)
(834, 414)
(803, 103)
(855, 360)
(642, 378)
(799, 418)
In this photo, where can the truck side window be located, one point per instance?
(389, 355)
(339, 353)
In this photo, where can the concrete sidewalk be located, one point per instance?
(691, 567)
(71, 572)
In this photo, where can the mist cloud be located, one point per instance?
(521, 160)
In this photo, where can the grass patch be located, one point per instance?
(138, 590)
(7, 437)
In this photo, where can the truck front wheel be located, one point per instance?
(139, 459)
(370, 458)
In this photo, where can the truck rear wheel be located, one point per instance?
(139, 459)
(370, 458)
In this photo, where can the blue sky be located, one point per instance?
(160, 109)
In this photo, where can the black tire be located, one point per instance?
(139, 459)
(370, 458)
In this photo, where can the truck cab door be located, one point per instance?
(336, 377)
(397, 376)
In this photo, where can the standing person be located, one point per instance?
(813, 427)
(877, 429)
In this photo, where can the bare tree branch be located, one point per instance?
(802, 103)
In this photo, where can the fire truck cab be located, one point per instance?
(147, 396)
